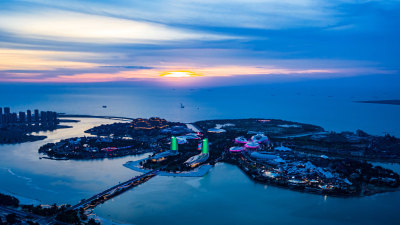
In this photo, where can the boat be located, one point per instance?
(104, 106)
(182, 106)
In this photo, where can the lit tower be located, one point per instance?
(204, 148)
(174, 144)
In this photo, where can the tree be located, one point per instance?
(11, 218)
(92, 222)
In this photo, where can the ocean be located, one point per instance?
(225, 195)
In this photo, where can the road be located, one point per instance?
(110, 191)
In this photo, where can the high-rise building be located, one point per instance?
(55, 117)
(21, 117)
(49, 116)
(36, 115)
(29, 116)
(14, 118)
(6, 110)
(7, 115)
(43, 117)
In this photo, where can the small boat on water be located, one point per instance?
(182, 106)
(104, 106)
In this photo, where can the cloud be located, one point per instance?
(63, 25)
(13, 59)
(106, 40)
(266, 14)
(155, 74)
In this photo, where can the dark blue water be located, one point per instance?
(225, 195)
(329, 103)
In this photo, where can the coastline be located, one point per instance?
(63, 115)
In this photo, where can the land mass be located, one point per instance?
(388, 102)
(12, 212)
(283, 153)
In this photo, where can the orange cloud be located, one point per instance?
(13, 59)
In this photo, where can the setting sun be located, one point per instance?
(179, 74)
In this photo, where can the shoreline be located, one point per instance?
(62, 115)
(265, 181)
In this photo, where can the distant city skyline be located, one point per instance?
(107, 41)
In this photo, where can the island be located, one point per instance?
(287, 154)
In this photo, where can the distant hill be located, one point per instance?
(388, 102)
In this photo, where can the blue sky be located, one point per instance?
(104, 41)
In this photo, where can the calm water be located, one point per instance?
(225, 195)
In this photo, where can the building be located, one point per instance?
(36, 115)
(164, 155)
(252, 145)
(21, 117)
(24, 118)
(14, 118)
(6, 110)
(200, 158)
(236, 149)
(43, 117)
(260, 138)
(29, 116)
(7, 115)
(240, 140)
(184, 138)
(149, 124)
(216, 130)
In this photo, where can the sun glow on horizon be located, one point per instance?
(179, 74)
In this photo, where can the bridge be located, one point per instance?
(113, 191)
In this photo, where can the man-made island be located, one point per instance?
(288, 154)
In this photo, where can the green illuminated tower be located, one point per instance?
(204, 148)
(174, 144)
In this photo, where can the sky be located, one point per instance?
(183, 41)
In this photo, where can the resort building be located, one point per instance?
(164, 155)
(236, 149)
(240, 140)
(216, 130)
(252, 145)
(200, 158)
(149, 124)
(259, 138)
